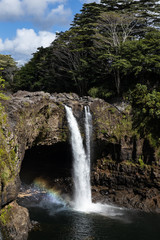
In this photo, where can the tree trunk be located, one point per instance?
(117, 80)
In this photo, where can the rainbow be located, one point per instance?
(52, 192)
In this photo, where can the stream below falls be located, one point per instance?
(59, 221)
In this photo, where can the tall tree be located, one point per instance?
(143, 58)
(77, 43)
(112, 31)
(93, 54)
(8, 68)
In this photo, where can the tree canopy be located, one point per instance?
(8, 68)
(109, 48)
(146, 112)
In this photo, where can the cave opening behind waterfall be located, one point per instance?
(51, 164)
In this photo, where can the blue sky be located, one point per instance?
(26, 25)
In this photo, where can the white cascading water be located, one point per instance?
(88, 133)
(81, 168)
(81, 164)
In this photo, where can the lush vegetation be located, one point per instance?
(146, 111)
(7, 150)
(109, 48)
(8, 69)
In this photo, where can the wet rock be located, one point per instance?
(35, 226)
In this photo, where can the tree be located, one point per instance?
(82, 32)
(146, 113)
(70, 62)
(143, 58)
(88, 16)
(37, 73)
(112, 31)
(9, 67)
(105, 52)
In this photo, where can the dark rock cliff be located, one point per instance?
(127, 184)
(125, 168)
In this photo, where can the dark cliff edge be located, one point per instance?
(125, 168)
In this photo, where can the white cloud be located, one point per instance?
(26, 42)
(10, 9)
(38, 7)
(58, 15)
(35, 7)
(48, 12)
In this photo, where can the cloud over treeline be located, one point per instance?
(26, 42)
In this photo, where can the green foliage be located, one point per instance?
(7, 157)
(2, 86)
(143, 57)
(8, 69)
(100, 92)
(146, 113)
(7, 152)
(140, 160)
(109, 48)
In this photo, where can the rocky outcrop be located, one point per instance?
(15, 222)
(127, 184)
(124, 167)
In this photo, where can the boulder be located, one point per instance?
(14, 222)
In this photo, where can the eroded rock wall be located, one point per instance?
(127, 184)
(126, 169)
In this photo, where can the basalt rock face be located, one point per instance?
(127, 184)
(124, 167)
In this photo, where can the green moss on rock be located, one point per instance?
(8, 155)
(5, 214)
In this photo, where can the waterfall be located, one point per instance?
(81, 163)
(88, 132)
(81, 168)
